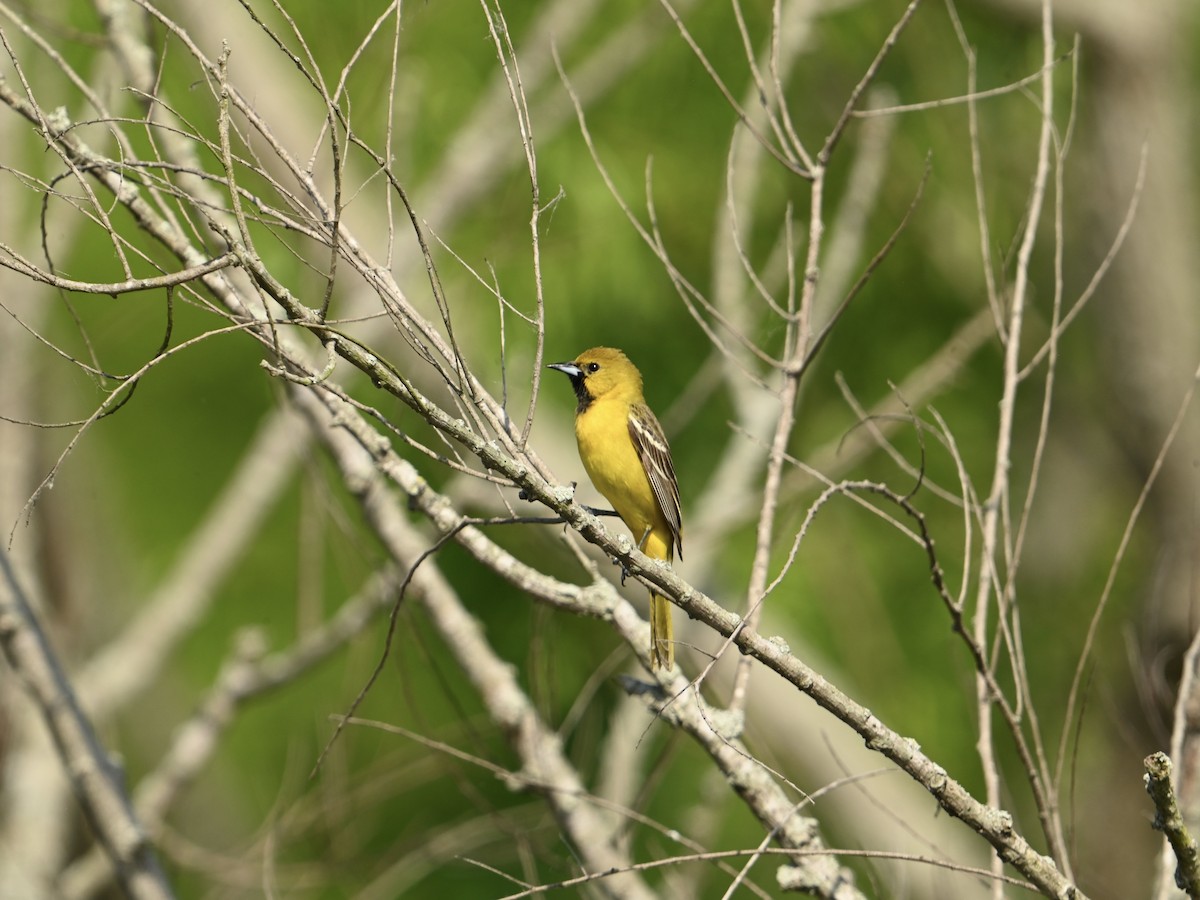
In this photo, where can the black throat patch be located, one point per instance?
(581, 394)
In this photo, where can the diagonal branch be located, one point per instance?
(97, 781)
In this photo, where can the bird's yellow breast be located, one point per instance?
(613, 464)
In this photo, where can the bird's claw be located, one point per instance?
(616, 561)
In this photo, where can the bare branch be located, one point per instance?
(96, 779)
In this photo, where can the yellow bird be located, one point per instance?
(626, 455)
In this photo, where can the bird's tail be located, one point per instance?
(657, 545)
(662, 643)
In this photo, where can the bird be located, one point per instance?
(626, 455)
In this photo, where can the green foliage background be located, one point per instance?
(388, 815)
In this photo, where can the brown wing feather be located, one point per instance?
(655, 454)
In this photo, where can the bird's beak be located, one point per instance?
(569, 369)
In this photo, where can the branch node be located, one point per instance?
(308, 380)
(778, 641)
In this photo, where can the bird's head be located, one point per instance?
(602, 373)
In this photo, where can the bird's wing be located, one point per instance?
(651, 445)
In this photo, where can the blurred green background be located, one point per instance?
(389, 816)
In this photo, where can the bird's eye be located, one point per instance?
(593, 367)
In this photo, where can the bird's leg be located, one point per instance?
(645, 537)
(641, 545)
(597, 511)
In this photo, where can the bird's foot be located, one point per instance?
(624, 569)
